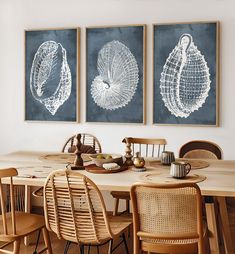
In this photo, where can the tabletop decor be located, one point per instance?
(92, 168)
(161, 178)
(51, 74)
(115, 71)
(186, 73)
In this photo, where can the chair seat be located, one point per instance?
(121, 194)
(119, 224)
(26, 223)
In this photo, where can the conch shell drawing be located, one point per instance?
(185, 79)
(50, 76)
(118, 77)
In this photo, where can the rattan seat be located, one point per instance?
(75, 211)
(168, 218)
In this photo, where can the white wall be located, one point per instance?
(17, 15)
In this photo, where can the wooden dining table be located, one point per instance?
(217, 182)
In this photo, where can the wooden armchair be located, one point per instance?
(75, 210)
(168, 218)
(146, 148)
(15, 225)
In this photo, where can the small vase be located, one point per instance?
(138, 161)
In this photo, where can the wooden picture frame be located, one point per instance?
(52, 74)
(186, 73)
(115, 74)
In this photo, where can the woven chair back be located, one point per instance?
(74, 208)
(145, 146)
(200, 149)
(8, 221)
(86, 139)
(167, 212)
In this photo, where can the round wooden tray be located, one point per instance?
(195, 164)
(63, 158)
(92, 168)
(166, 178)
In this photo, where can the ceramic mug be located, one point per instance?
(167, 157)
(180, 169)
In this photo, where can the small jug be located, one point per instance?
(180, 169)
(138, 161)
(167, 157)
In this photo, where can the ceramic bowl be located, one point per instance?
(116, 158)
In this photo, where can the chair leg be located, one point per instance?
(110, 246)
(116, 204)
(82, 249)
(16, 248)
(38, 238)
(125, 243)
(47, 240)
(127, 206)
(66, 248)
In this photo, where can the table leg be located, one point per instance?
(226, 232)
(27, 208)
(212, 227)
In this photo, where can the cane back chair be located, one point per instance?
(75, 210)
(15, 225)
(200, 149)
(168, 218)
(146, 148)
(87, 140)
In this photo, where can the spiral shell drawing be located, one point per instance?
(185, 79)
(50, 76)
(118, 77)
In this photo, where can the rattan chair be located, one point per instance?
(74, 209)
(16, 225)
(200, 149)
(86, 139)
(168, 218)
(146, 148)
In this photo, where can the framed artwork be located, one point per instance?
(51, 74)
(186, 71)
(115, 74)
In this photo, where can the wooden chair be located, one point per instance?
(146, 148)
(86, 139)
(16, 225)
(168, 218)
(75, 210)
(200, 149)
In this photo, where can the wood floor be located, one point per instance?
(58, 245)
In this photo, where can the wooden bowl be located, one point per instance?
(116, 158)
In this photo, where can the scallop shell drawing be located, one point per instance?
(50, 76)
(118, 77)
(185, 79)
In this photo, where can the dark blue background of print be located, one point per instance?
(68, 39)
(132, 37)
(166, 37)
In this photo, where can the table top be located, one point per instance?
(220, 174)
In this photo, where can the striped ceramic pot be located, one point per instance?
(167, 157)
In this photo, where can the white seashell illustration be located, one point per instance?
(185, 79)
(50, 76)
(118, 77)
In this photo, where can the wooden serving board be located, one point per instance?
(92, 168)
